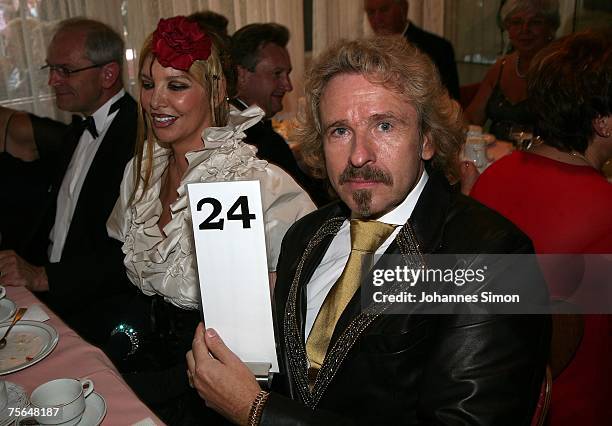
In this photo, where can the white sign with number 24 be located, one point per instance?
(230, 245)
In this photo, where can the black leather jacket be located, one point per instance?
(413, 369)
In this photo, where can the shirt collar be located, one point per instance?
(400, 214)
(101, 114)
(241, 102)
(406, 27)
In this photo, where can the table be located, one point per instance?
(74, 357)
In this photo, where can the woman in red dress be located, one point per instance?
(555, 193)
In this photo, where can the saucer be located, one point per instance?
(17, 398)
(95, 410)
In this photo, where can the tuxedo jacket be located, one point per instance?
(411, 369)
(441, 53)
(91, 266)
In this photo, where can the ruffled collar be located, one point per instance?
(228, 137)
(166, 263)
(223, 157)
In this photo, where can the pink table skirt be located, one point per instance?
(74, 357)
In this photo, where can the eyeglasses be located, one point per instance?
(65, 72)
(516, 23)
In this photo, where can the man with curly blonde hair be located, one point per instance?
(382, 129)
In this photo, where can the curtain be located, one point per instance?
(333, 20)
(428, 14)
(26, 27)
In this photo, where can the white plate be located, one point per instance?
(28, 343)
(7, 309)
(95, 410)
(17, 398)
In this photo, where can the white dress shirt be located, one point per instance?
(75, 175)
(334, 260)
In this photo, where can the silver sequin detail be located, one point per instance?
(294, 341)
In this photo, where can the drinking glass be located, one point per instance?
(521, 136)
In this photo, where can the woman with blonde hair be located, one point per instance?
(186, 135)
(502, 96)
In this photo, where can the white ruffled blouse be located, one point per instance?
(166, 265)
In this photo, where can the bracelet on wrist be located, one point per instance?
(131, 334)
(257, 408)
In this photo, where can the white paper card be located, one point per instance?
(230, 247)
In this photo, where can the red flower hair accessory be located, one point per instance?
(178, 42)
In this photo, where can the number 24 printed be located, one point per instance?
(241, 203)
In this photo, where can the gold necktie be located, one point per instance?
(366, 237)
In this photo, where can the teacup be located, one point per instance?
(2, 292)
(3, 395)
(60, 401)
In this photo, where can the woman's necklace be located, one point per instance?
(517, 66)
(540, 148)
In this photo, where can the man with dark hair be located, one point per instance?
(391, 17)
(259, 53)
(384, 133)
(86, 162)
(213, 21)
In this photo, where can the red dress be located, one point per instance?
(563, 209)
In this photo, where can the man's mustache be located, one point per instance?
(367, 173)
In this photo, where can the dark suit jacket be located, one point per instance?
(442, 54)
(406, 368)
(91, 267)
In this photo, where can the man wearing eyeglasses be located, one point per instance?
(74, 262)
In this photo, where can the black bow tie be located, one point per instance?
(89, 124)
